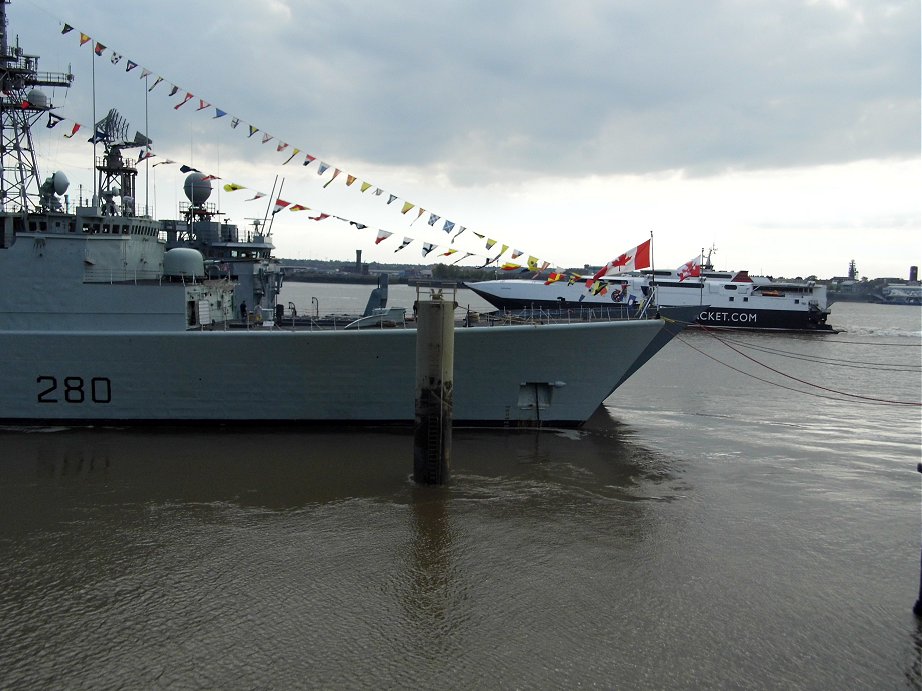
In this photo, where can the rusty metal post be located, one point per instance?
(435, 356)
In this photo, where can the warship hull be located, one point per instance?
(509, 375)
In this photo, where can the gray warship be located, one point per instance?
(108, 316)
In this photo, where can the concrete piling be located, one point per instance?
(435, 355)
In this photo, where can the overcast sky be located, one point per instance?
(786, 132)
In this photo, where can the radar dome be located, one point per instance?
(60, 182)
(37, 99)
(183, 261)
(197, 188)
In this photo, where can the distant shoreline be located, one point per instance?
(366, 279)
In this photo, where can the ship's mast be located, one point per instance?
(115, 173)
(21, 104)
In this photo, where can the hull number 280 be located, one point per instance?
(74, 390)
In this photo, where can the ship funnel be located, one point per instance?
(197, 188)
(60, 182)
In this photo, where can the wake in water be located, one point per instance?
(884, 332)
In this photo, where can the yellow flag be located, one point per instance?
(233, 187)
(406, 207)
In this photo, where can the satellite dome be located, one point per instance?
(37, 99)
(197, 188)
(183, 261)
(60, 182)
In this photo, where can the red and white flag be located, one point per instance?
(633, 259)
(689, 269)
(279, 205)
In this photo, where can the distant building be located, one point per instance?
(845, 285)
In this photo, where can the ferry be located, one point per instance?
(727, 300)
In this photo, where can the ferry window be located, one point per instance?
(731, 298)
(796, 301)
(730, 287)
(32, 226)
(42, 225)
(745, 299)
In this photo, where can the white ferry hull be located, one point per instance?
(741, 308)
(275, 376)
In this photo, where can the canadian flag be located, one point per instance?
(689, 269)
(633, 259)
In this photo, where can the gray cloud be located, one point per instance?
(489, 90)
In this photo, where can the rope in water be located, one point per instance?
(839, 395)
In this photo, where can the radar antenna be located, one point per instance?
(117, 174)
(112, 127)
(21, 105)
(708, 266)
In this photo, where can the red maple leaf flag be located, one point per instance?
(689, 269)
(633, 259)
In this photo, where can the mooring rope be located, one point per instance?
(870, 400)
(822, 359)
